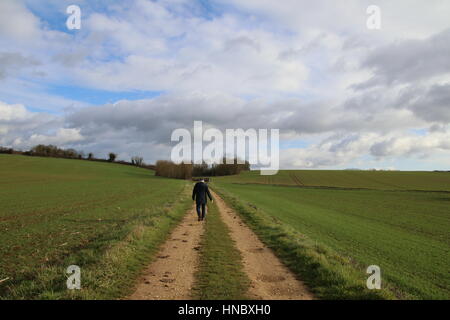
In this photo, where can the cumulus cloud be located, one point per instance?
(9, 113)
(338, 133)
(332, 151)
(409, 61)
(12, 63)
(17, 22)
(17, 125)
(339, 150)
(62, 136)
(431, 104)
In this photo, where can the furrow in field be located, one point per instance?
(270, 279)
(296, 179)
(171, 275)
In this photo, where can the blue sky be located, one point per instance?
(99, 97)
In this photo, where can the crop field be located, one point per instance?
(326, 226)
(368, 218)
(352, 179)
(106, 218)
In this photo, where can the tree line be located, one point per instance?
(182, 170)
(56, 152)
(162, 168)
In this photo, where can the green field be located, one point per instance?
(106, 218)
(351, 179)
(326, 226)
(364, 217)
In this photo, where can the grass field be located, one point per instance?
(106, 218)
(353, 179)
(326, 226)
(355, 219)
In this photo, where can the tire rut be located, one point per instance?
(270, 278)
(171, 275)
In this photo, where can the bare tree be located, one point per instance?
(137, 161)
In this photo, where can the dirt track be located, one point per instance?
(270, 279)
(171, 275)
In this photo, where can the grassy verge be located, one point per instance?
(115, 276)
(328, 274)
(220, 275)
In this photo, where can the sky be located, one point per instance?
(341, 94)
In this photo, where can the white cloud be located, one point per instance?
(10, 113)
(61, 137)
(17, 22)
(406, 145)
(340, 150)
(17, 124)
(400, 18)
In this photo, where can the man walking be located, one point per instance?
(199, 194)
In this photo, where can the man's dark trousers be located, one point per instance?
(201, 210)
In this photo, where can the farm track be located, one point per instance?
(270, 278)
(171, 275)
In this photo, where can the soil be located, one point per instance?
(171, 275)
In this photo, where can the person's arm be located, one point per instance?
(194, 191)
(208, 193)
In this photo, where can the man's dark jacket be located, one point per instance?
(200, 192)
